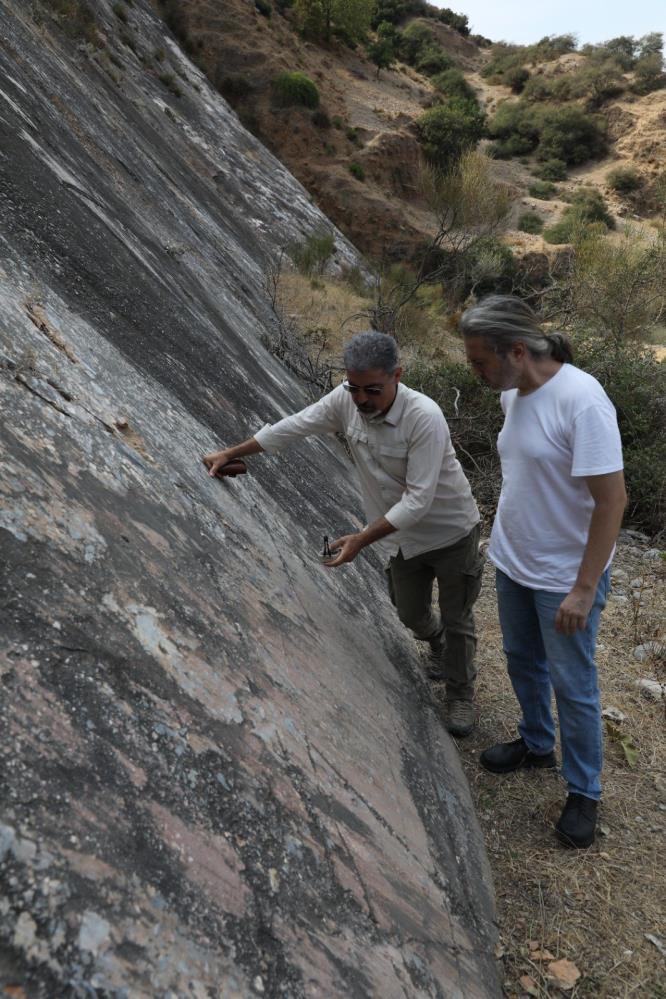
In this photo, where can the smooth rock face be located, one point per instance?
(220, 775)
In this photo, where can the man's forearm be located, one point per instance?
(250, 446)
(378, 529)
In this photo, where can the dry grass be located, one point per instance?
(592, 907)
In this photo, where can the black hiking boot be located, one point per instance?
(434, 669)
(577, 825)
(508, 756)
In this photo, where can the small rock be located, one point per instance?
(603, 829)
(613, 714)
(653, 553)
(619, 574)
(619, 598)
(25, 930)
(651, 688)
(258, 984)
(660, 787)
(648, 649)
(637, 583)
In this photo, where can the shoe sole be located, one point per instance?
(571, 843)
(493, 769)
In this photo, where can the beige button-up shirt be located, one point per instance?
(406, 463)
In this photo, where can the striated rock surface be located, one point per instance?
(220, 774)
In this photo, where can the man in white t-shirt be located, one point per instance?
(421, 514)
(552, 542)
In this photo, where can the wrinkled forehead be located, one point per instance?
(367, 379)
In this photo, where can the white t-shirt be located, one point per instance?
(551, 438)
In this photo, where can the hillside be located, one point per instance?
(366, 119)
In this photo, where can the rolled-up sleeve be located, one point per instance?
(323, 417)
(427, 445)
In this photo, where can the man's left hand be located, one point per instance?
(574, 611)
(349, 546)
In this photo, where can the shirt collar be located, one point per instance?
(394, 414)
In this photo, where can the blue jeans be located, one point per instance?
(539, 657)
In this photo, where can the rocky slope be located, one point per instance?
(221, 775)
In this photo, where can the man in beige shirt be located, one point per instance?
(421, 513)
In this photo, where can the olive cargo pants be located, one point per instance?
(458, 571)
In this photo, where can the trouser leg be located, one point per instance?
(526, 662)
(573, 675)
(410, 589)
(459, 569)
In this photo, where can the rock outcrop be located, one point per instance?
(221, 774)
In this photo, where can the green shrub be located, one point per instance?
(337, 121)
(413, 40)
(516, 78)
(530, 222)
(551, 170)
(516, 125)
(295, 88)
(432, 61)
(542, 189)
(650, 74)
(452, 83)
(590, 206)
(263, 7)
(538, 88)
(320, 119)
(561, 231)
(312, 255)
(571, 135)
(587, 208)
(445, 132)
(624, 180)
(356, 170)
(636, 384)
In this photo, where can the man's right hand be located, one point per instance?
(216, 460)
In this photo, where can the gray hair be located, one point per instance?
(369, 350)
(503, 320)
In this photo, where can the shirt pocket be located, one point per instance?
(393, 460)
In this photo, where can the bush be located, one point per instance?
(636, 384)
(413, 40)
(356, 170)
(452, 83)
(233, 87)
(445, 132)
(516, 78)
(560, 232)
(263, 7)
(517, 126)
(649, 74)
(551, 170)
(295, 89)
(571, 135)
(312, 255)
(432, 61)
(542, 189)
(589, 205)
(624, 180)
(530, 222)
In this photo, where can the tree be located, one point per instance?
(383, 50)
(470, 210)
(319, 18)
(447, 131)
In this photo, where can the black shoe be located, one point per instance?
(508, 756)
(577, 825)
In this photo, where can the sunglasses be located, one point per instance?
(370, 390)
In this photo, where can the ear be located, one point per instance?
(518, 349)
(397, 374)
